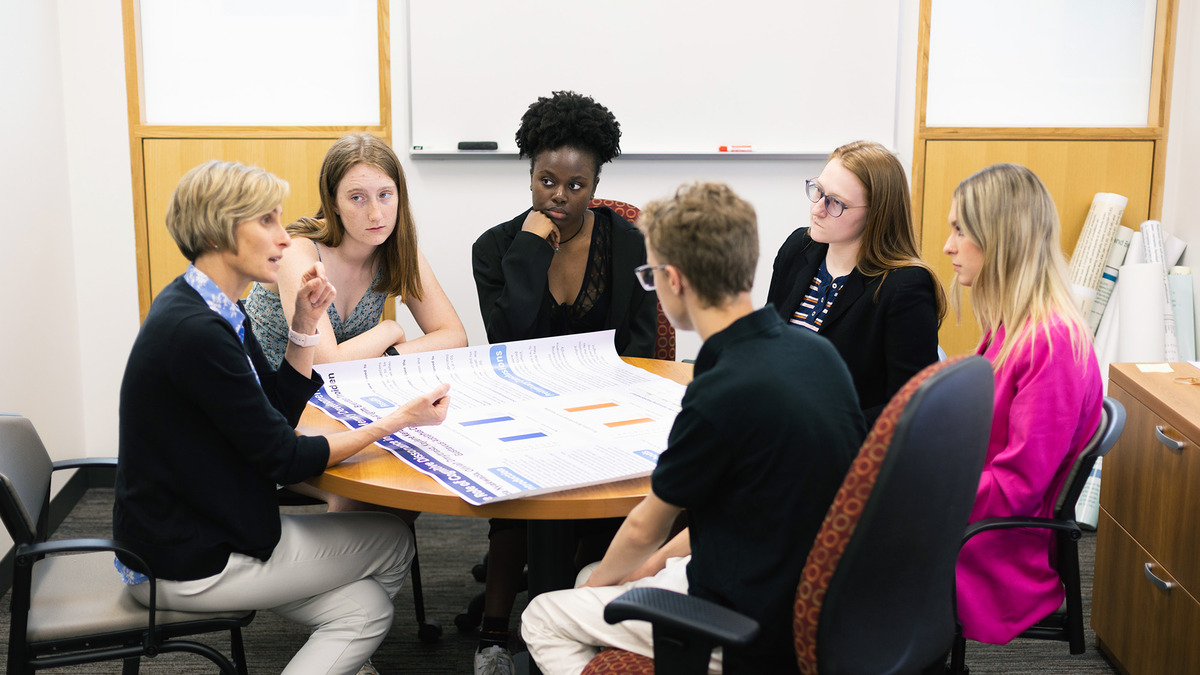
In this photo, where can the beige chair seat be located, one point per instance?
(83, 594)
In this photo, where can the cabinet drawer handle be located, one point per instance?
(1162, 584)
(1167, 440)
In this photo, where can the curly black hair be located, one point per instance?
(567, 119)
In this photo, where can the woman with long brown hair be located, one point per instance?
(854, 274)
(364, 235)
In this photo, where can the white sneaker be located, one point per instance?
(494, 660)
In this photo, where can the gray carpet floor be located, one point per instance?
(448, 547)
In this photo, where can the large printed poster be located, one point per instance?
(525, 417)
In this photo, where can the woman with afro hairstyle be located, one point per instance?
(560, 268)
(557, 268)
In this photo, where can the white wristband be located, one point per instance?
(302, 340)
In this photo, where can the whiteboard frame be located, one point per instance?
(882, 130)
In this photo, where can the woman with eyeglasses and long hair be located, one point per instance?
(1004, 246)
(854, 274)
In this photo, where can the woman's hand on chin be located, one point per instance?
(541, 225)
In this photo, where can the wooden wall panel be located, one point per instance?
(1073, 170)
(296, 160)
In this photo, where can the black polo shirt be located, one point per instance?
(767, 431)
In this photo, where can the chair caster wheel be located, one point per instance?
(465, 623)
(479, 572)
(470, 619)
(429, 632)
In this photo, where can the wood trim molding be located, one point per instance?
(1166, 23)
(131, 25)
(139, 131)
(1156, 129)
(383, 15)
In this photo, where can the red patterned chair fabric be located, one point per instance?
(664, 340)
(842, 519)
(619, 662)
(828, 547)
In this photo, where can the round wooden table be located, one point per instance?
(378, 477)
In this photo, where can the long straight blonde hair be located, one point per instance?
(1022, 285)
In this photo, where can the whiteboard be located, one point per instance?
(258, 62)
(683, 77)
(1040, 63)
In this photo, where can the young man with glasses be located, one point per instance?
(755, 456)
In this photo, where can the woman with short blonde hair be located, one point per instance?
(207, 431)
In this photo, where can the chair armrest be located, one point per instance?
(84, 462)
(44, 548)
(1069, 526)
(684, 614)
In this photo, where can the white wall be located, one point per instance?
(97, 136)
(39, 343)
(1181, 207)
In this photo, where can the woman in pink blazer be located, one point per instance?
(1004, 244)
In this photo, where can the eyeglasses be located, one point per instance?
(833, 206)
(645, 275)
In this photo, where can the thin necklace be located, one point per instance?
(582, 220)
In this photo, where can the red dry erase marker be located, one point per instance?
(736, 148)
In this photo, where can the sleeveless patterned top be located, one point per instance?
(271, 328)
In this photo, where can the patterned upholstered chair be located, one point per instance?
(877, 591)
(664, 341)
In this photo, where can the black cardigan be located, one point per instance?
(510, 269)
(202, 444)
(884, 340)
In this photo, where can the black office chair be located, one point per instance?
(427, 631)
(73, 609)
(877, 590)
(1066, 623)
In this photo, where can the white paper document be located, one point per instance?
(525, 417)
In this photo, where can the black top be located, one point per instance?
(511, 268)
(756, 456)
(884, 340)
(202, 444)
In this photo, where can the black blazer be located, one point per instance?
(510, 277)
(884, 340)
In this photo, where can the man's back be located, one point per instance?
(768, 429)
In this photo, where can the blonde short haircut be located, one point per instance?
(213, 198)
(710, 235)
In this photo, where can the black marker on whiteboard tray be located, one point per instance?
(736, 148)
(478, 145)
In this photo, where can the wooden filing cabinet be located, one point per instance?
(1144, 602)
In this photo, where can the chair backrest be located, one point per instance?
(664, 335)
(1112, 423)
(877, 591)
(25, 469)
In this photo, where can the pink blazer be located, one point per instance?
(1047, 407)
